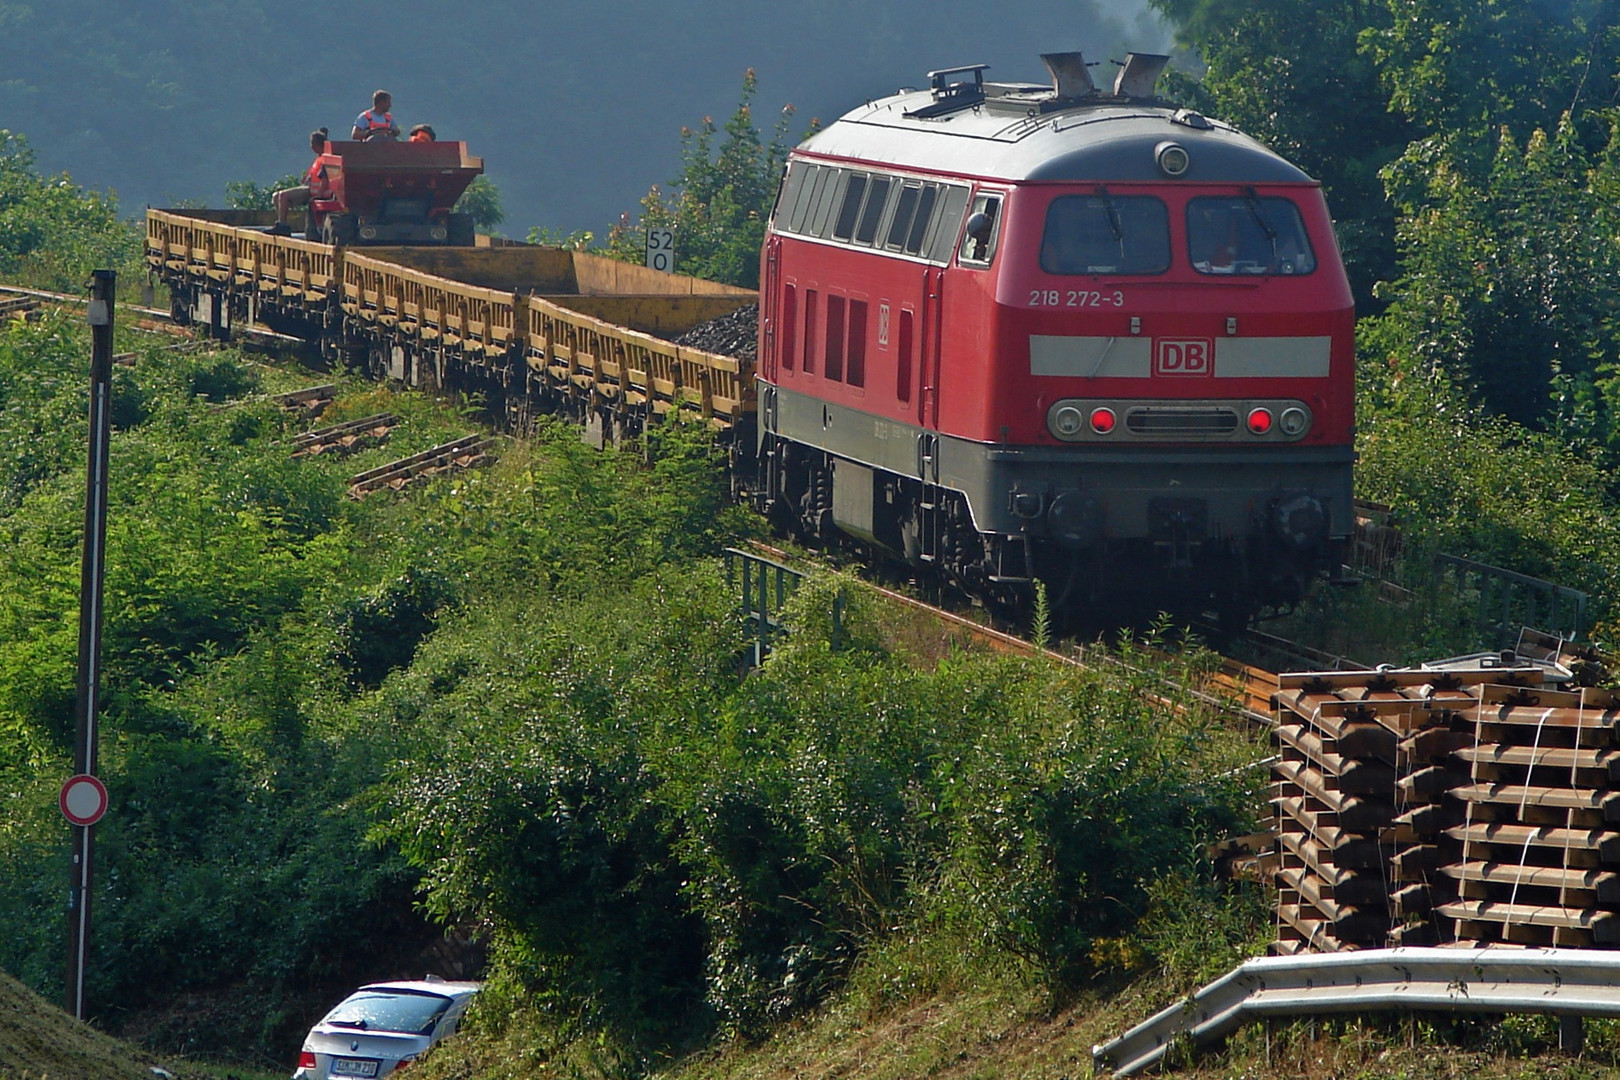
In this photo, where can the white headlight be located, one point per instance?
(1067, 422)
(1172, 158)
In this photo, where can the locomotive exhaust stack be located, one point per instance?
(1071, 79)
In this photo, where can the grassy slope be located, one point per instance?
(1003, 1028)
(39, 1041)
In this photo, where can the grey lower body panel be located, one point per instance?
(1085, 493)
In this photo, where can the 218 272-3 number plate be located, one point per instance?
(1076, 298)
(353, 1067)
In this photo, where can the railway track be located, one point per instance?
(467, 452)
(1247, 689)
(15, 300)
(345, 438)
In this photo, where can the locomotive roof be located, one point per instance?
(1018, 132)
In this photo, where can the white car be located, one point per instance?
(382, 1027)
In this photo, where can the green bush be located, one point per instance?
(664, 848)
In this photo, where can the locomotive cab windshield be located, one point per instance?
(1106, 234)
(1247, 234)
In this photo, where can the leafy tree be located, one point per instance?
(482, 200)
(248, 195)
(1468, 68)
(1503, 281)
(719, 204)
(53, 232)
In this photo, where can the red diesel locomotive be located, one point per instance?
(1025, 332)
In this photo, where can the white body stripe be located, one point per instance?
(1272, 357)
(1090, 357)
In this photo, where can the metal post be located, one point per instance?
(103, 285)
(1571, 1034)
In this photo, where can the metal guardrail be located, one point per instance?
(1566, 982)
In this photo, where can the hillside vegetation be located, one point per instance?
(502, 723)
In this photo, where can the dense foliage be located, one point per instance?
(51, 230)
(524, 688)
(660, 846)
(251, 610)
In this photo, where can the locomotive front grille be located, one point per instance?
(1187, 422)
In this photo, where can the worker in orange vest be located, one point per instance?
(376, 122)
(314, 186)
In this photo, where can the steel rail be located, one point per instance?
(1564, 982)
(1248, 690)
(258, 333)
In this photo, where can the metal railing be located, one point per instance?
(1507, 600)
(1571, 983)
(766, 585)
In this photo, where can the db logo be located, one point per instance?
(1182, 356)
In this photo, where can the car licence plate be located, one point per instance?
(353, 1067)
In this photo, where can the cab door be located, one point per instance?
(770, 311)
(930, 320)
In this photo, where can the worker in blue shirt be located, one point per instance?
(376, 122)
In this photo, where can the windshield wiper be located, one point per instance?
(1253, 201)
(1113, 214)
(361, 1024)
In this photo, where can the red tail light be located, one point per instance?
(1102, 421)
(306, 1060)
(1260, 421)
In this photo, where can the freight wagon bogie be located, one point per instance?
(1023, 333)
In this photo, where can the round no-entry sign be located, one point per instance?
(83, 799)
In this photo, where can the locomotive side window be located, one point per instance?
(851, 208)
(905, 208)
(1106, 234)
(983, 226)
(821, 207)
(801, 187)
(834, 368)
(790, 324)
(877, 196)
(788, 193)
(953, 206)
(902, 371)
(919, 224)
(1247, 234)
(810, 327)
(855, 361)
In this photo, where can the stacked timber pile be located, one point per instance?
(1473, 803)
(1536, 856)
(1338, 739)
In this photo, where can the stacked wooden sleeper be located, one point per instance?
(1472, 805)
(1536, 858)
(1335, 811)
